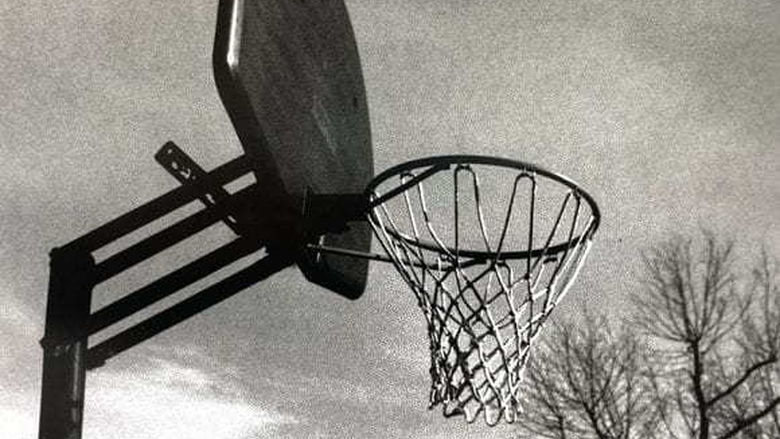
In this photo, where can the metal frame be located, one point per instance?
(332, 212)
(440, 163)
(74, 273)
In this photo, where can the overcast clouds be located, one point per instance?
(668, 112)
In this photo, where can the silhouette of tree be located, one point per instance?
(700, 362)
(722, 339)
(588, 382)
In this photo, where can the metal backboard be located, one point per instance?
(290, 78)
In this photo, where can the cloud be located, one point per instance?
(16, 316)
(17, 424)
(181, 393)
(161, 399)
(170, 400)
(19, 332)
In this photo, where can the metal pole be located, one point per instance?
(71, 279)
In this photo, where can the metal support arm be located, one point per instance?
(74, 274)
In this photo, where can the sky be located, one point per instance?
(667, 112)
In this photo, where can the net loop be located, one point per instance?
(489, 247)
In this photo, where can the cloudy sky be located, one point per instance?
(666, 111)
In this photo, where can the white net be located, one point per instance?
(488, 252)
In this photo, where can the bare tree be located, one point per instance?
(718, 376)
(758, 339)
(702, 365)
(587, 382)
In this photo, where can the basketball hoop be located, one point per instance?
(489, 246)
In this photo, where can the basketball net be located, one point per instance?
(484, 304)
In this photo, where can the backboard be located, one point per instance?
(289, 76)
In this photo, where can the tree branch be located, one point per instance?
(741, 380)
(750, 420)
(698, 391)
